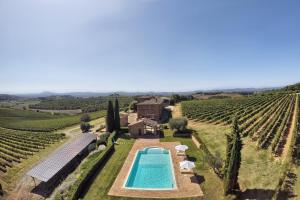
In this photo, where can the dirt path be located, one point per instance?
(288, 144)
(176, 112)
(22, 190)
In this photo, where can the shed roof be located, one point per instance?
(150, 122)
(58, 160)
(135, 123)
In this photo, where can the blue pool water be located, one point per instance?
(152, 169)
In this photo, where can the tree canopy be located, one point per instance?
(85, 127)
(179, 124)
(85, 118)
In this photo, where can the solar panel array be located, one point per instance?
(54, 163)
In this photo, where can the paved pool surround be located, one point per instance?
(152, 169)
(187, 184)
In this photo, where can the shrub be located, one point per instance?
(85, 127)
(103, 139)
(175, 98)
(113, 136)
(178, 124)
(92, 147)
(132, 106)
(85, 118)
(102, 126)
(88, 170)
(214, 161)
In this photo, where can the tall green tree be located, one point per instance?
(1, 190)
(178, 124)
(117, 115)
(233, 159)
(110, 121)
(229, 138)
(85, 118)
(85, 127)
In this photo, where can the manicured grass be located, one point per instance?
(211, 185)
(259, 172)
(104, 180)
(213, 136)
(106, 177)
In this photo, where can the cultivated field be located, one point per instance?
(27, 120)
(268, 124)
(265, 119)
(270, 138)
(18, 145)
(90, 104)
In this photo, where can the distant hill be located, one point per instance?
(294, 87)
(122, 93)
(7, 97)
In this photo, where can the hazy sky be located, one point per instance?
(143, 45)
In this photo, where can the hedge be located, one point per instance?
(88, 171)
(211, 159)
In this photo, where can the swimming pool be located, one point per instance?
(152, 169)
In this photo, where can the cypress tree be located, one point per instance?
(117, 116)
(1, 190)
(110, 117)
(228, 151)
(233, 159)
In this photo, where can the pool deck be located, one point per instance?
(187, 184)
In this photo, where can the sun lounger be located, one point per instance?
(187, 171)
(181, 153)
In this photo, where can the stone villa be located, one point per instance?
(151, 109)
(149, 113)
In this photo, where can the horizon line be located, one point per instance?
(128, 91)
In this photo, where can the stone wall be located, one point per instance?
(136, 129)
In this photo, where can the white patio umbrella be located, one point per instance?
(187, 164)
(181, 147)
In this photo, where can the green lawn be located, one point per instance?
(259, 172)
(104, 180)
(211, 185)
(106, 177)
(213, 136)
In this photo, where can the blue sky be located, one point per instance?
(147, 45)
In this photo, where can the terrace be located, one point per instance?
(187, 184)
